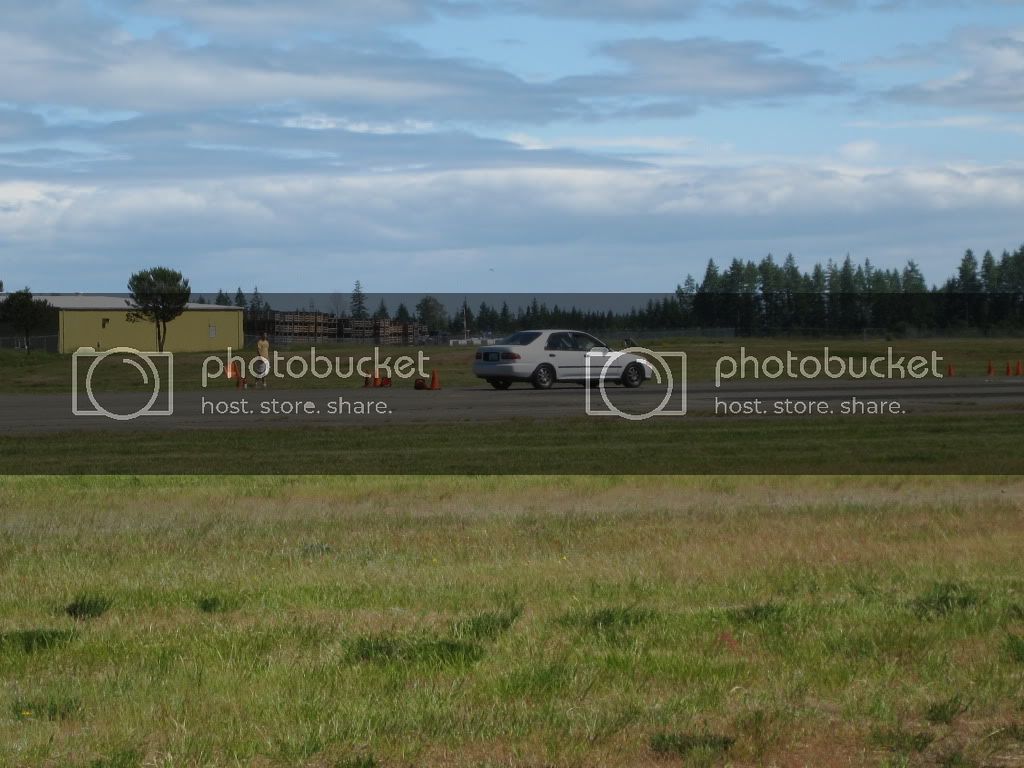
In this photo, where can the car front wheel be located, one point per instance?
(543, 377)
(633, 376)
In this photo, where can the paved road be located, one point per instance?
(231, 408)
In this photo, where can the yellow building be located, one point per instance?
(102, 322)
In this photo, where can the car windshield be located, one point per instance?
(520, 339)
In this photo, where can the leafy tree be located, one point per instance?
(381, 313)
(402, 314)
(26, 313)
(431, 313)
(201, 300)
(222, 300)
(357, 306)
(158, 295)
(240, 298)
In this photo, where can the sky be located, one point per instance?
(511, 145)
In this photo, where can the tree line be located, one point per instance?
(768, 297)
(747, 297)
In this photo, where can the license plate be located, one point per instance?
(491, 357)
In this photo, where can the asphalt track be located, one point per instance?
(258, 408)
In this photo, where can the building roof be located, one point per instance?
(112, 303)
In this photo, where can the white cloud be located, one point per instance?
(989, 74)
(545, 210)
(374, 80)
(860, 151)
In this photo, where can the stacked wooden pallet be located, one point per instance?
(305, 324)
(356, 329)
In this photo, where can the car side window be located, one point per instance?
(558, 341)
(585, 342)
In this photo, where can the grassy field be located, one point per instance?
(950, 442)
(46, 372)
(499, 621)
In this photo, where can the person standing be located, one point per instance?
(263, 350)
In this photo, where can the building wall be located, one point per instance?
(196, 330)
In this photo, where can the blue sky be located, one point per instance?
(516, 145)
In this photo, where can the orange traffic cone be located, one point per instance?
(1020, 368)
(991, 368)
(235, 372)
(950, 371)
(1008, 369)
(435, 380)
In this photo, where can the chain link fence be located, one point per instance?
(39, 343)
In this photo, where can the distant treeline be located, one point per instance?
(748, 298)
(768, 298)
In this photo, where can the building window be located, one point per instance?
(213, 331)
(104, 322)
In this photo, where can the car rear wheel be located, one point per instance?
(500, 383)
(633, 376)
(543, 377)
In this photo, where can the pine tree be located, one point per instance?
(967, 280)
(913, 280)
(256, 301)
(357, 306)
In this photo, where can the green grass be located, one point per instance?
(686, 744)
(944, 598)
(51, 707)
(47, 372)
(927, 444)
(217, 603)
(945, 711)
(88, 606)
(511, 620)
(33, 640)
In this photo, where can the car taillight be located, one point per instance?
(511, 356)
(479, 355)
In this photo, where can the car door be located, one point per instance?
(561, 352)
(598, 354)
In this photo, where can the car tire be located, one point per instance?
(500, 383)
(543, 377)
(633, 376)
